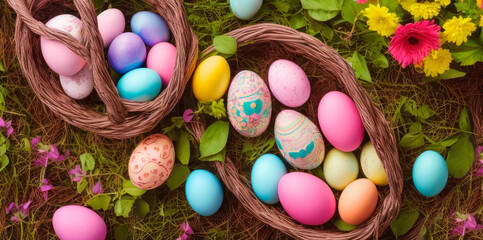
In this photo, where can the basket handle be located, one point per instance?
(91, 49)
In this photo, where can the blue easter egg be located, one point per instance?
(204, 192)
(430, 173)
(126, 52)
(150, 27)
(245, 9)
(266, 173)
(142, 84)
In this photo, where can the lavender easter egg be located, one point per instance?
(249, 104)
(150, 27)
(299, 140)
(126, 52)
(58, 57)
(151, 162)
(79, 85)
(111, 23)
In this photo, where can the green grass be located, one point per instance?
(20, 181)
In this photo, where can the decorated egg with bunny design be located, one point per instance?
(249, 104)
(151, 162)
(299, 140)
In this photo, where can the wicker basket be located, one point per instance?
(121, 118)
(276, 41)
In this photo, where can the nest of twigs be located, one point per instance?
(105, 113)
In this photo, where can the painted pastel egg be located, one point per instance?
(299, 140)
(80, 85)
(306, 198)
(245, 9)
(288, 83)
(204, 192)
(430, 173)
(150, 27)
(60, 58)
(211, 79)
(340, 168)
(126, 52)
(358, 201)
(372, 165)
(162, 59)
(111, 23)
(141, 84)
(151, 162)
(266, 173)
(340, 121)
(249, 104)
(73, 222)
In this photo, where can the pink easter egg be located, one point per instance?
(288, 83)
(79, 85)
(340, 121)
(151, 162)
(74, 222)
(162, 59)
(58, 57)
(111, 23)
(306, 198)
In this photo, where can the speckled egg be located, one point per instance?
(60, 58)
(249, 104)
(151, 162)
(80, 85)
(288, 83)
(299, 140)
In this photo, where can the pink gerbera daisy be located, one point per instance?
(414, 41)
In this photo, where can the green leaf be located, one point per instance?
(403, 223)
(99, 4)
(260, 147)
(323, 15)
(3, 162)
(123, 206)
(99, 202)
(297, 21)
(394, 7)
(360, 67)
(281, 5)
(26, 144)
(168, 212)
(141, 208)
(450, 74)
(2, 69)
(343, 226)
(122, 232)
(178, 176)
(327, 32)
(464, 121)
(380, 61)
(318, 172)
(4, 144)
(220, 157)
(443, 144)
(81, 185)
(183, 148)
(424, 113)
(225, 44)
(350, 8)
(468, 53)
(131, 189)
(214, 139)
(87, 161)
(322, 4)
(414, 138)
(460, 157)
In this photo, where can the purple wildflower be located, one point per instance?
(77, 174)
(188, 115)
(97, 189)
(35, 141)
(19, 212)
(46, 186)
(465, 223)
(187, 230)
(44, 155)
(7, 125)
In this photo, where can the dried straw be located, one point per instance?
(124, 118)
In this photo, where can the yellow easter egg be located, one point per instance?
(340, 168)
(372, 166)
(211, 79)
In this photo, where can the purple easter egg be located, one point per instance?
(151, 27)
(126, 52)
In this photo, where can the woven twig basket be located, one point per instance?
(122, 118)
(270, 41)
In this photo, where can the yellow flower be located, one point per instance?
(406, 4)
(437, 62)
(458, 29)
(380, 20)
(443, 3)
(481, 20)
(425, 10)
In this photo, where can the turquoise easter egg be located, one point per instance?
(245, 9)
(266, 173)
(430, 173)
(142, 84)
(299, 140)
(249, 104)
(204, 192)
